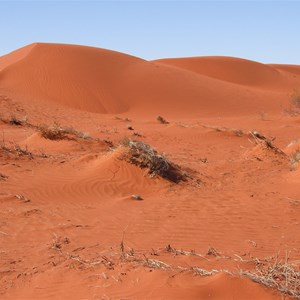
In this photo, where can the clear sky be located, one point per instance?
(266, 31)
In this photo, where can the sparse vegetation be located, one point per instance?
(277, 273)
(123, 119)
(213, 252)
(130, 128)
(14, 120)
(267, 142)
(16, 149)
(23, 198)
(236, 131)
(136, 197)
(281, 275)
(295, 158)
(296, 155)
(17, 121)
(294, 108)
(295, 99)
(162, 120)
(3, 177)
(144, 156)
(57, 132)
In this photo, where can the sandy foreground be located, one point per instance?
(69, 226)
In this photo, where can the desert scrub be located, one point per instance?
(14, 120)
(295, 99)
(144, 156)
(294, 159)
(16, 150)
(294, 108)
(57, 132)
(162, 120)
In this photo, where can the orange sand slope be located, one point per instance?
(104, 81)
(69, 226)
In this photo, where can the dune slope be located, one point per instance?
(104, 81)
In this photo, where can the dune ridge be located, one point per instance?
(104, 81)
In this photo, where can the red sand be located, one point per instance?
(242, 199)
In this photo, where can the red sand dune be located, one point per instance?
(86, 78)
(69, 227)
(235, 70)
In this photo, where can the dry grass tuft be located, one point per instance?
(295, 99)
(294, 108)
(3, 177)
(295, 158)
(144, 156)
(281, 275)
(14, 120)
(57, 132)
(213, 252)
(236, 131)
(16, 149)
(267, 142)
(162, 120)
(156, 264)
(203, 272)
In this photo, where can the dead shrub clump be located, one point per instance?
(294, 108)
(54, 132)
(144, 156)
(282, 275)
(162, 120)
(3, 177)
(17, 121)
(14, 120)
(16, 149)
(57, 132)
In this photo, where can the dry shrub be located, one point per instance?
(3, 177)
(282, 275)
(144, 156)
(54, 132)
(267, 142)
(295, 99)
(162, 120)
(14, 120)
(294, 108)
(16, 149)
(295, 158)
(57, 132)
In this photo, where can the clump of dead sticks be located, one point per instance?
(280, 274)
(277, 273)
(144, 156)
(58, 132)
(266, 142)
(15, 149)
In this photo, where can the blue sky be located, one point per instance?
(266, 31)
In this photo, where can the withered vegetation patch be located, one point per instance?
(3, 177)
(283, 275)
(57, 132)
(277, 273)
(144, 156)
(15, 149)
